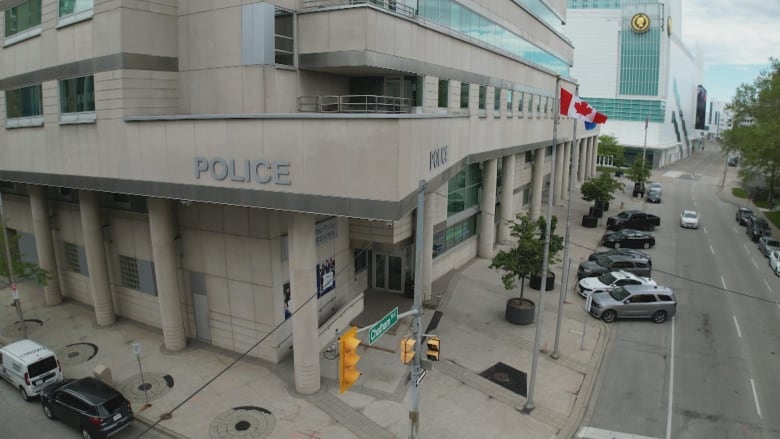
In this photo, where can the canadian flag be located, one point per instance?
(575, 107)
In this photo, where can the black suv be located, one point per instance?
(742, 214)
(757, 227)
(631, 263)
(96, 409)
(633, 219)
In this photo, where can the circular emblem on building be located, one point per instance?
(640, 22)
(669, 25)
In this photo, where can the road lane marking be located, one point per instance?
(754, 262)
(746, 249)
(671, 387)
(739, 333)
(768, 287)
(723, 282)
(755, 398)
(711, 250)
(705, 231)
(599, 433)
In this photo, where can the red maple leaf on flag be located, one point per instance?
(582, 108)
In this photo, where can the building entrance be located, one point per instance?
(388, 273)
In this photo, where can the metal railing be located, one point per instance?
(354, 104)
(397, 6)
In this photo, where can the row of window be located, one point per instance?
(134, 273)
(77, 95)
(22, 20)
(527, 102)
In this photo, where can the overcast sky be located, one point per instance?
(737, 38)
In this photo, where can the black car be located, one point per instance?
(733, 161)
(742, 214)
(654, 196)
(628, 238)
(96, 409)
(757, 227)
(633, 219)
(620, 251)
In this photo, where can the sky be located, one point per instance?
(737, 38)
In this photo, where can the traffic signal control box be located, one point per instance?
(348, 359)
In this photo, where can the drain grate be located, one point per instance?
(507, 377)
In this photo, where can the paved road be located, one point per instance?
(718, 358)
(25, 420)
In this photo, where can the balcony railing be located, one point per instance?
(354, 104)
(397, 6)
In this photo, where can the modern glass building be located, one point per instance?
(632, 65)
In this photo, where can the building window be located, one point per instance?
(128, 269)
(454, 235)
(548, 150)
(464, 95)
(284, 38)
(482, 96)
(497, 99)
(463, 189)
(75, 259)
(509, 100)
(24, 102)
(77, 95)
(361, 259)
(22, 17)
(520, 101)
(71, 11)
(444, 88)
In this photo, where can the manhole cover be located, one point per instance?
(15, 330)
(76, 353)
(507, 377)
(153, 386)
(242, 422)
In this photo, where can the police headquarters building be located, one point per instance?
(219, 169)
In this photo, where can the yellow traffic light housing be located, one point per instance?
(407, 349)
(433, 344)
(348, 359)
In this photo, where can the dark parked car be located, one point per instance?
(630, 263)
(621, 251)
(767, 244)
(629, 238)
(742, 214)
(654, 196)
(733, 161)
(757, 227)
(96, 409)
(633, 219)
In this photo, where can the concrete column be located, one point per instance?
(165, 273)
(427, 251)
(487, 218)
(44, 244)
(536, 185)
(595, 141)
(303, 288)
(566, 170)
(588, 159)
(507, 198)
(557, 186)
(92, 231)
(581, 165)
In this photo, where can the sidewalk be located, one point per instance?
(256, 399)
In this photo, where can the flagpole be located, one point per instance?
(529, 403)
(565, 281)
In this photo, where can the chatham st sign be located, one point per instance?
(247, 171)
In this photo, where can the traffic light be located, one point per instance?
(433, 344)
(407, 349)
(348, 359)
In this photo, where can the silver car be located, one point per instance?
(634, 302)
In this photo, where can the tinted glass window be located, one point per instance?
(619, 294)
(665, 298)
(41, 367)
(114, 404)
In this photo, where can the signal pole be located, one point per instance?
(414, 410)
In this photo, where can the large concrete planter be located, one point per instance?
(535, 281)
(520, 311)
(590, 221)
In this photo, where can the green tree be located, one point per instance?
(608, 146)
(600, 188)
(758, 143)
(527, 256)
(639, 171)
(21, 270)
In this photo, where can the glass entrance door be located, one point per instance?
(388, 272)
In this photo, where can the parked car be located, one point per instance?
(29, 367)
(742, 214)
(611, 280)
(633, 219)
(654, 186)
(767, 244)
(654, 196)
(629, 238)
(733, 160)
(621, 251)
(604, 264)
(774, 261)
(96, 409)
(634, 301)
(689, 219)
(757, 227)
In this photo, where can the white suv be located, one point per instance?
(610, 281)
(689, 219)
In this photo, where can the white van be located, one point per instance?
(29, 367)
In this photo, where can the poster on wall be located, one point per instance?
(326, 276)
(286, 291)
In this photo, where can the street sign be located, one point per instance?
(14, 292)
(382, 326)
(136, 347)
(420, 377)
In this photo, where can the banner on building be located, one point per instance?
(326, 276)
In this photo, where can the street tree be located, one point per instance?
(608, 146)
(639, 171)
(21, 270)
(600, 189)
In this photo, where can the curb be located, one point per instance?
(158, 428)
